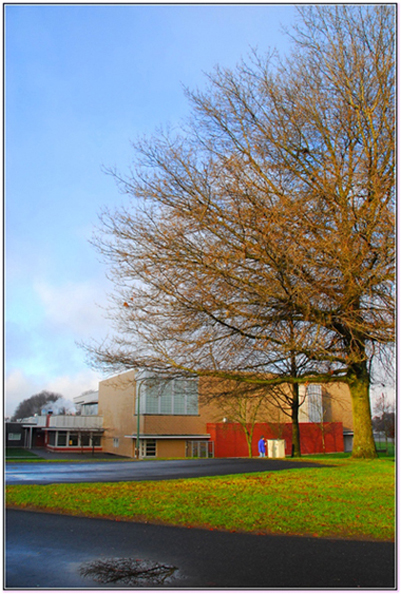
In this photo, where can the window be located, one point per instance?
(168, 397)
(179, 398)
(62, 438)
(315, 405)
(85, 439)
(148, 448)
(73, 441)
(116, 442)
(96, 439)
(89, 409)
(14, 436)
(52, 438)
(152, 399)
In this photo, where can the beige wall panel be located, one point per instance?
(173, 425)
(171, 448)
(116, 405)
(337, 400)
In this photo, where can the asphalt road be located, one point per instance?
(47, 551)
(45, 473)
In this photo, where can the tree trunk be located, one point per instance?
(249, 436)
(249, 442)
(364, 445)
(296, 439)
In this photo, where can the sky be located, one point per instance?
(81, 83)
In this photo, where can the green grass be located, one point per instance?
(381, 445)
(20, 455)
(351, 499)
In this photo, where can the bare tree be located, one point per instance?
(34, 404)
(259, 246)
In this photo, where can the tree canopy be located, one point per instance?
(257, 243)
(33, 405)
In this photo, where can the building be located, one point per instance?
(166, 418)
(87, 403)
(171, 421)
(136, 415)
(63, 433)
(14, 434)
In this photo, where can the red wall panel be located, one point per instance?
(230, 442)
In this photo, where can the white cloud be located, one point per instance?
(74, 305)
(19, 386)
(73, 385)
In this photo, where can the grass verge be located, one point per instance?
(21, 455)
(351, 499)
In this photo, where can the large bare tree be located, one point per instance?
(257, 244)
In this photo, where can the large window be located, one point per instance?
(89, 409)
(168, 397)
(85, 439)
(96, 439)
(311, 409)
(315, 404)
(62, 438)
(74, 439)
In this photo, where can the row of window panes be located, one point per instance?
(70, 439)
(175, 397)
(89, 409)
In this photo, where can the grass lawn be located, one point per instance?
(381, 447)
(351, 499)
(20, 455)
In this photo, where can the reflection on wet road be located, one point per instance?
(38, 473)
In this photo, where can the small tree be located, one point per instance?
(244, 405)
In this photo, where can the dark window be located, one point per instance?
(85, 439)
(96, 440)
(73, 441)
(62, 438)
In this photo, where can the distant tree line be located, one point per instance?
(33, 405)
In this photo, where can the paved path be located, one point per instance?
(47, 551)
(48, 472)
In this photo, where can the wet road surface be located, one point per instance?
(48, 472)
(47, 551)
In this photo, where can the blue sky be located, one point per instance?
(81, 82)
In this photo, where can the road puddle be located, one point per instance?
(128, 571)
